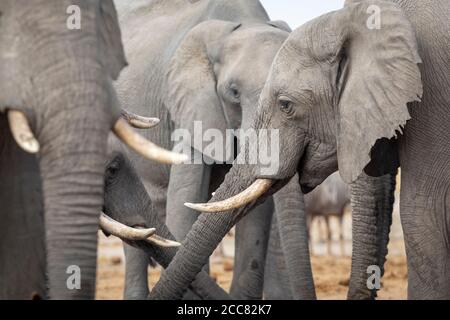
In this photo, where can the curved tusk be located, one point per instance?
(21, 131)
(125, 232)
(162, 242)
(252, 193)
(139, 122)
(144, 147)
(122, 231)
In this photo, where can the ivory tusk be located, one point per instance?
(125, 232)
(162, 242)
(139, 122)
(144, 147)
(21, 131)
(122, 231)
(252, 193)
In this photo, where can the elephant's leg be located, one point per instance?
(276, 277)
(341, 235)
(372, 204)
(293, 233)
(328, 235)
(426, 225)
(136, 273)
(187, 183)
(252, 236)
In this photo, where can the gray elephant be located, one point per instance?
(329, 199)
(22, 215)
(135, 208)
(190, 62)
(57, 100)
(289, 239)
(338, 93)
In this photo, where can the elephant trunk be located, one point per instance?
(73, 152)
(290, 211)
(203, 286)
(137, 205)
(204, 237)
(372, 204)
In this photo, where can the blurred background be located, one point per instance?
(297, 12)
(331, 261)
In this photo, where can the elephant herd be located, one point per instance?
(89, 116)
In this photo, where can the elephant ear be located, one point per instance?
(111, 40)
(280, 24)
(378, 74)
(191, 96)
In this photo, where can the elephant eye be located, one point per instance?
(286, 106)
(112, 170)
(234, 93)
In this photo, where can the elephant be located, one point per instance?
(329, 199)
(364, 96)
(135, 208)
(197, 62)
(22, 214)
(57, 106)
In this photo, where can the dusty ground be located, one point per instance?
(331, 271)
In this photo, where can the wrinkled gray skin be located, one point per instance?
(331, 107)
(288, 273)
(61, 79)
(328, 199)
(198, 61)
(135, 208)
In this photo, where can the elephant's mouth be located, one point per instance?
(261, 187)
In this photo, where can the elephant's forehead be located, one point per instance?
(261, 34)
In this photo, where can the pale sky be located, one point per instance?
(297, 12)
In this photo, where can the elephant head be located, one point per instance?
(337, 86)
(216, 75)
(56, 87)
(134, 208)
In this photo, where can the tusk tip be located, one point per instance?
(181, 158)
(151, 231)
(30, 146)
(162, 242)
(173, 244)
(190, 205)
(21, 131)
(203, 207)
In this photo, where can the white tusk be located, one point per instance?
(125, 232)
(139, 122)
(162, 242)
(252, 193)
(144, 147)
(21, 131)
(122, 231)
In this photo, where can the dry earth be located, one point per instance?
(331, 271)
